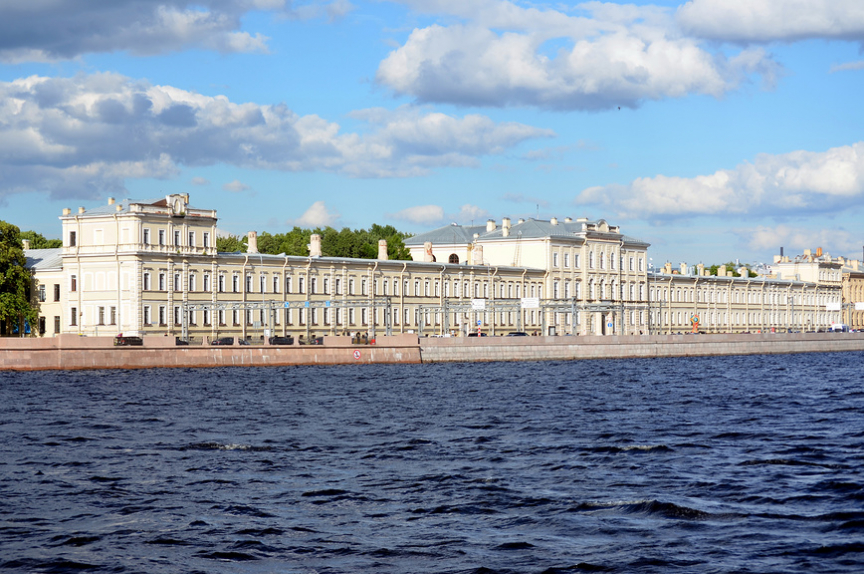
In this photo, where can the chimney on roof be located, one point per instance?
(568, 220)
(521, 221)
(66, 211)
(119, 207)
(684, 268)
(80, 210)
(110, 201)
(252, 242)
(818, 252)
(382, 249)
(554, 221)
(314, 245)
(490, 225)
(25, 243)
(505, 223)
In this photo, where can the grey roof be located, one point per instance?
(529, 229)
(111, 209)
(42, 259)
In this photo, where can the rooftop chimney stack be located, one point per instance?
(382, 249)
(110, 201)
(314, 245)
(252, 242)
(490, 225)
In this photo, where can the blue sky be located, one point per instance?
(714, 129)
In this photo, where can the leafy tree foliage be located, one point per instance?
(15, 305)
(732, 269)
(38, 241)
(356, 243)
(230, 244)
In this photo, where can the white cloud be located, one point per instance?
(420, 214)
(47, 30)
(235, 186)
(470, 212)
(797, 238)
(504, 54)
(70, 136)
(200, 181)
(859, 65)
(797, 182)
(318, 215)
(757, 21)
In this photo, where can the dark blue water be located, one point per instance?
(735, 464)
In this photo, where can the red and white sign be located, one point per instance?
(357, 354)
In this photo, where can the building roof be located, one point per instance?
(526, 229)
(44, 259)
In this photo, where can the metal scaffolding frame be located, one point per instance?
(272, 306)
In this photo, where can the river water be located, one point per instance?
(720, 464)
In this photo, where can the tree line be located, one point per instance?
(355, 243)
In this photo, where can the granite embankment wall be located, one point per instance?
(74, 352)
(435, 350)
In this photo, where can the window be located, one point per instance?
(631, 264)
(191, 282)
(41, 294)
(147, 317)
(313, 285)
(287, 284)
(161, 282)
(73, 316)
(611, 261)
(591, 260)
(221, 283)
(177, 283)
(363, 290)
(100, 320)
(206, 317)
(177, 318)
(602, 261)
(453, 258)
(113, 315)
(72, 239)
(206, 239)
(248, 283)
(161, 237)
(56, 324)
(146, 281)
(262, 283)
(235, 283)
(56, 292)
(162, 317)
(576, 261)
(146, 236)
(191, 239)
(555, 259)
(177, 238)
(350, 286)
(73, 283)
(326, 285)
(566, 260)
(300, 284)
(641, 263)
(275, 283)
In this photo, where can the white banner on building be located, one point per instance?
(478, 304)
(530, 302)
(859, 306)
(833, 306)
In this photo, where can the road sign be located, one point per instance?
(356, 354)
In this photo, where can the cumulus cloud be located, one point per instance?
(797, 182)
(235, 186)
(419, 214)
(71, 136)
(858, 65)
(200, 181)
(502, 54)
(797, 238)
(470, 212)
(47, 30)
(318, 215)
(757, 21)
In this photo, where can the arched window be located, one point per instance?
(453, 258)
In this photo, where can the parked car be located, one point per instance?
(281, 340)
(476, 334)
(228, 341)
(517, 334)
(123, 341)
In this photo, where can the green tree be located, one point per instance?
(230, 244)
(732, 269)
(38, 241)
(15, 278)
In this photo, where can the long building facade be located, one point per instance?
(152, 267)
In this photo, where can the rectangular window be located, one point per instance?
(206, 317)
(363, 290)
(206, 239)
(177, 317)
(191, 282)
(275, 283)
(72, 238)
(146, 236)
(566, 260)
(235, 283)
(555, 259)
(221, 283)
(161, 237)
(177, 285)
(177, 238)
(262, 283)
(73, 316)
(191, 239)
(56, 324)
(300, 284)
(147, 318)
(288, 285)
(113, 315)
(161, 282)
(73, 283)
(146, 281)
(56, 292)
(100, 320)
(162, 317)
(41, 294)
